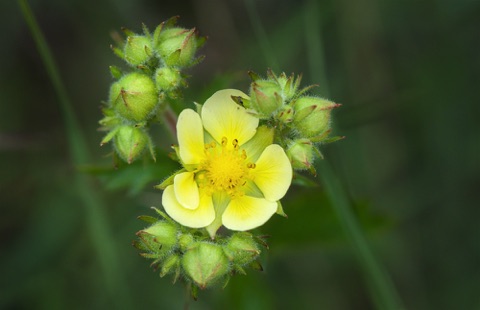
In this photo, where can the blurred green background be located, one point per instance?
(407, 74)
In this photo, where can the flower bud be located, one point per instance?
(172, 261)
(185, 241)
(130, 142)
(134, 97)
(205, 263)
(163, 232)
(301, 154)
(288, 85)
(137, 50)
(241, 249)
(265, 97)
(312, 115)
(177, 46)
(167, 78)
(285, 114)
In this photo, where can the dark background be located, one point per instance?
(407, 75)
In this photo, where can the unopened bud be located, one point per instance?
(172, 261)
(285, 114)
(288, 85)
(134, 97)
(312, 115)
(163, 232)
(130, 142)
(205, 263)
(138, 49)
(167, 78)
(301, 154)
(185, 241)
(241, 249)
(177, 46)
(266, 97)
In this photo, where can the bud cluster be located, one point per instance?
(301, 121)
(141, 94)
(191, 255)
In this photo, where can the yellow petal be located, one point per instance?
(190, 137)
(273, 172)
(222, 117)
(245, 213)
(186, 190)
(200, 217)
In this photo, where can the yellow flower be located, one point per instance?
(233, 176)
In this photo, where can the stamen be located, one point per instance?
(226, 169)
(244, 155)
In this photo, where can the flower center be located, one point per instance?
(225, 169)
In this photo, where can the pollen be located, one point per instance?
(226, 168)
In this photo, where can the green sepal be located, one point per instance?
(139, 246)
(168, 181)
(109, 137)
(194, 291)
(302, 113)
(147, 219)
(170, 262)
(116, 72)
(254, 76)
(321, 137)
(280, 210)
(173, 58)
(226, 281)
(305, 89)
(332, 139)
(117, 52)
(163, 214)
(149, 255)
(256, 265)
(146, 31)
(127, 31)
(239, 270)
(243, 102)
(196, 61)
(198, 107)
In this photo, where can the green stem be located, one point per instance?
(96, 219)
(380, 285)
